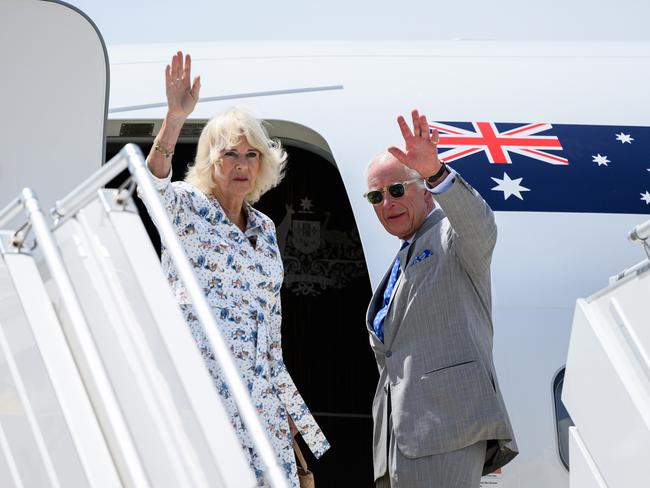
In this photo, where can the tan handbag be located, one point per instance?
(305, 476)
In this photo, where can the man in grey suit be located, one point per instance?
(439, 417)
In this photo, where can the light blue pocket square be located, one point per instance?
(422, 256)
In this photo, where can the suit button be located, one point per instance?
(389, 353)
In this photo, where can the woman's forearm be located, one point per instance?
(160, 156)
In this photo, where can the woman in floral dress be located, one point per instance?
(235, 256)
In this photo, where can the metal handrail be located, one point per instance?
(640, 232)
(88, 189)
(109, 409)
(11, 210)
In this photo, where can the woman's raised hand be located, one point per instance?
(181, 95)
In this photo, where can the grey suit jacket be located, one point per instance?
(436, 362)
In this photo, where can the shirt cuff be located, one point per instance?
(445, 184)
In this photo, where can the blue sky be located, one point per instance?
(146, 21)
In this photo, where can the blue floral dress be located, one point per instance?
(241, 274)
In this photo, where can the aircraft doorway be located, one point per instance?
(324, 299)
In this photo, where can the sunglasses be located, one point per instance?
(396, 190)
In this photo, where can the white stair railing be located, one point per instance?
(94, 232)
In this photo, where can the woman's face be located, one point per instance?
(236, 171)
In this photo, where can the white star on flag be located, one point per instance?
(509, 187)
(645, 197)
(601, 160)
(624, 138)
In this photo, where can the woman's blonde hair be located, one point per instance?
(225, 130)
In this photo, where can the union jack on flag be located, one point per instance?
(498, 145)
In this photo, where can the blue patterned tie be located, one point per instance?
(378, 322)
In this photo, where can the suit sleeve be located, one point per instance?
(473, 231)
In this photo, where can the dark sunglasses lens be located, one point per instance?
(374, 197)
(396, 190)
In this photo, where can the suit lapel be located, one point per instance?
(405, 255)
(376, 303)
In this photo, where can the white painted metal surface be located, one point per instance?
(85, 350)
(149, 388)
(584, 472)
(50, 435)
(141, 361)
(54, 98)
(200, 408)
(135, 283)
(607, 382)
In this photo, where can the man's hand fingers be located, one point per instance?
(435, 136)
(406, 130)
(398, 153)
(424, 126)
(417, 130)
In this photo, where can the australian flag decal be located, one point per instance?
(552, 167)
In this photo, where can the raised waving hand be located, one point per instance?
(182, 95)
(421, 146)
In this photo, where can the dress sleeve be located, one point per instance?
(173, 198)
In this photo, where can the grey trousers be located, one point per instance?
(454, 469)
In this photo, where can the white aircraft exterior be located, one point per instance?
(543, 260)
(339, 100)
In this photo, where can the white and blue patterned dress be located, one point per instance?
(242, 284)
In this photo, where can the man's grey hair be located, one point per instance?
(385, 156)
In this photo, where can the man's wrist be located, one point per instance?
(436, 178)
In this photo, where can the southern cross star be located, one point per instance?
(601, 160)
(624, 138)
(509, 187)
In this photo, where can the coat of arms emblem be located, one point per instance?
(306, 235)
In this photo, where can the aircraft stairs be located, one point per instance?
(607, 381)
(102, 384)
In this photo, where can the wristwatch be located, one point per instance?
(431, 180)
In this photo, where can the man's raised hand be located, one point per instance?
(421, 146)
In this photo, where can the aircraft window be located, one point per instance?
(562, 419)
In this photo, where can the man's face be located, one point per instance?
(402, 216)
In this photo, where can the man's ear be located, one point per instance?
(428, 197)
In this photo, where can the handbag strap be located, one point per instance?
(299, 456)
